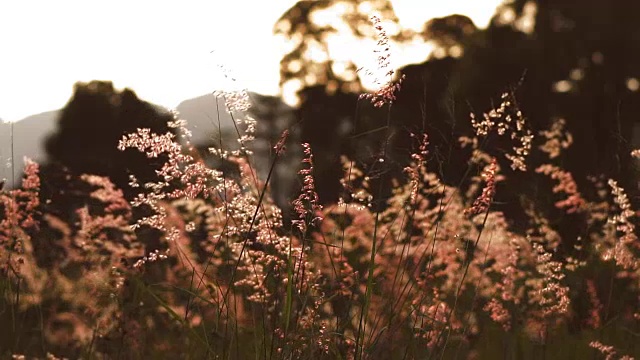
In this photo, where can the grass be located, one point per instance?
(203, 265)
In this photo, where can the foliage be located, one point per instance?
(190, 261)
(431, 274)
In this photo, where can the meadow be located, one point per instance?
(200, 263)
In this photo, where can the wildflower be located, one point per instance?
(152, 257)
(620, 251)
(280, 146)
(549, 293)
(557, 139)
(419, 159)
(308, 196)
(18, 221)
(236, 100)
(193, 175)
(498, 313)
(574, 202)
(482, 203)
(607, 350)
(385, 94)
(507, 118)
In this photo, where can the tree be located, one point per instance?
(308, 33)
(90, 127)
(329, 114)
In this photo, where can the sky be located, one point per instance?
(165, 51)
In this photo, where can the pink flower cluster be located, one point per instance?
(386, 92)
(574, 201)
(17, 210)
(482, 203)
(308, 201)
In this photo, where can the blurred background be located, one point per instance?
(301, 62)
(169, 54)
(161, 49)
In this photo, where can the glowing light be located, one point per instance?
(159, 49)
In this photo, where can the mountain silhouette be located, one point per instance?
(28, 140)
(202, 114)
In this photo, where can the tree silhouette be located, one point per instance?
(309, 62)
(561, 59)
(92, 123)
(330, 116)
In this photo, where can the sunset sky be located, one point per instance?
(160, 49)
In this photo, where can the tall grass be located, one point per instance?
(202, 264)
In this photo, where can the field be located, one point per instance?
(193, 261)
